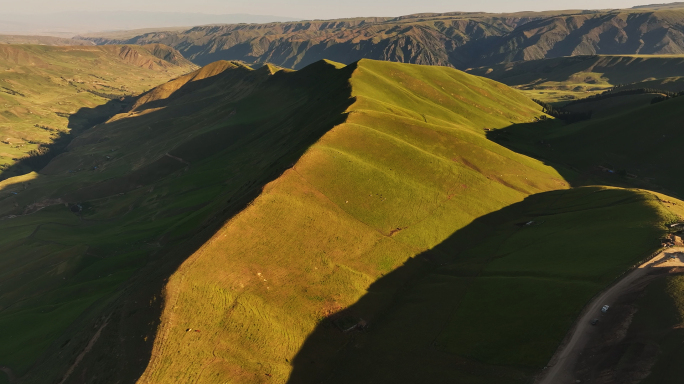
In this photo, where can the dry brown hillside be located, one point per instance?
(460, 40)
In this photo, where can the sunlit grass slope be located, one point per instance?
(46, 91)
(145, 183)
(501, 299)
(334, 240)
(370, 190)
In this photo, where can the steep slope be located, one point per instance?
(460, 40)
(388, 223)
(49, 94)
(234, 223)
(639, 341)
(111, 217)
(614, 33)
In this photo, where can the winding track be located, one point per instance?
(9, 373)
(561, 367)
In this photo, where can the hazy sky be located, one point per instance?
(309, 9)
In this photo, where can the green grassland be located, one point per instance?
(643, 144)
(568, 78)
(650, 347)
(46, 91)
(639, 146)
(145, 182)
(387, 184)
(502, 298)
(405, 217)
(665, 298)
(268, 209)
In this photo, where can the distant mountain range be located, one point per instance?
(461, 40)
(377, 222)
(67, 24)
(661, 6)
(41, 40)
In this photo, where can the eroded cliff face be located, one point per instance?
(458, 40)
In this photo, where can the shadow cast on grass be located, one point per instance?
(614, 150)
(79, 122)
(414, 324)
(461, 312)
(121, 329)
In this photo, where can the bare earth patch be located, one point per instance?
(576, 358)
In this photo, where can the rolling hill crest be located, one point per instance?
(338, 222)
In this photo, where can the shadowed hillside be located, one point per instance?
(49, 95)
(460, 40)
(569, 78)
(639, 147)
(337, 222)
(111, 217)
(385, 225)
(491, 303)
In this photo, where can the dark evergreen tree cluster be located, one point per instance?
(669, 96)
(47, 128)
(39, 157)
(615, 92)
(562, 114)
(110, 96)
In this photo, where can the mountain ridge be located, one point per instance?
(355, 223)
(460, 40)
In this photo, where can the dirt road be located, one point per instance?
(9, 373)
(561, 367)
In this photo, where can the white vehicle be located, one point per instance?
(605, 308)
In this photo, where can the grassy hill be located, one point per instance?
(568, 78)
(47, 93)
(641, 144)
(637, 147)
(458, 39)
(128, 194)
(234, 224)
(397, 220)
